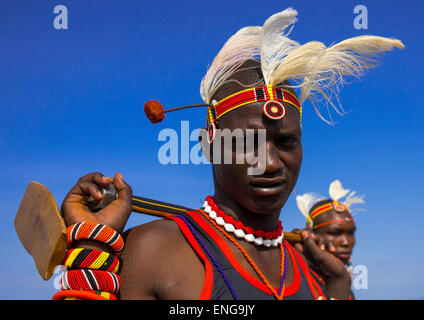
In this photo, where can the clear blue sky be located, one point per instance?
(71, 103)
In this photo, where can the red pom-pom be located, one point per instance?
(154, 111)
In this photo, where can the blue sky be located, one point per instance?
(71, 102)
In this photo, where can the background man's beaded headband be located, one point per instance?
(334, 205)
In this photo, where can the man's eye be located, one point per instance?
(288, 142)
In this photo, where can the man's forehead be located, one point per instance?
(331, 215)
(345, 226)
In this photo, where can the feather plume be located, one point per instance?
(269, 44)
(274, 44)
(369, 45)
(328, 71)
(242, 46)
(351, 199)
(336, 190)
(305, 202)
(297, 63)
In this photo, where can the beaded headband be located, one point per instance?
(347, 219)
(273, 108)
(266, 93)
(334, 205)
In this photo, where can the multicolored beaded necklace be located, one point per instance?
(276, 233)
(258, 237)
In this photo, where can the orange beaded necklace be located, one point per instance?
(250, 260)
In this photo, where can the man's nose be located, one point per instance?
(344, 241)
(274, 163)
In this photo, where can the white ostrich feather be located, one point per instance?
(351, 199)
(242, 46)
(269, 44)
(336, 190)
(305, 202)
(296, 64)
(275, 46)
(328, 71)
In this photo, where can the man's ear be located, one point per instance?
(207, 148)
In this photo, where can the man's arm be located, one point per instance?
(336, 277)
(141, 262)
(158, 263)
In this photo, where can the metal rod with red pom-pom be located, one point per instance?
(156, 113)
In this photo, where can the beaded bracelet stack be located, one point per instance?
(91, 274)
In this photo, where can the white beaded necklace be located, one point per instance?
(241, 233)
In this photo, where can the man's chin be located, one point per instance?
(344, 258)
(266, 204)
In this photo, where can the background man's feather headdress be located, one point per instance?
(336, 193)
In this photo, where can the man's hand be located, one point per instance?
(333, 271)
(115, 215)
(322, 242)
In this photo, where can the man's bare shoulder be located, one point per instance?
(156, 234)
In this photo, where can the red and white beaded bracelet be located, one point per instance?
(86, 279)
(98, 232)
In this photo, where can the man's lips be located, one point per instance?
(344, 255)
(268, 186)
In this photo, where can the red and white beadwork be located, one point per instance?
(274, 110)
(211, 132)
(337, 206)
(258, 237)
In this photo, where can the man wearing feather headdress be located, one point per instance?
(331, 222)
(233, 247)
